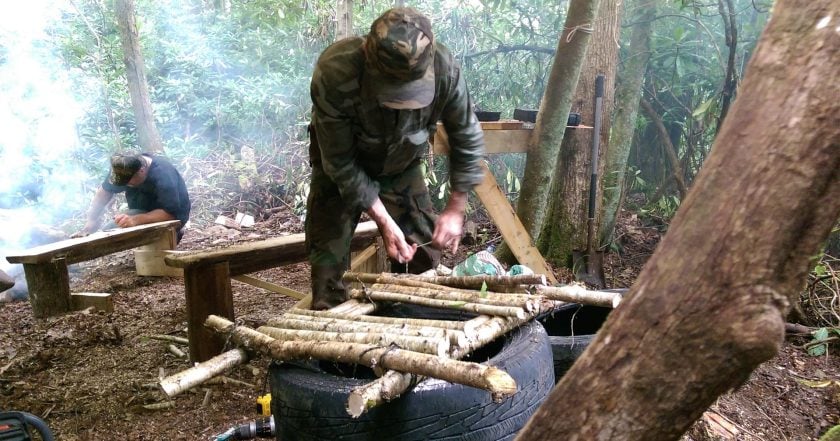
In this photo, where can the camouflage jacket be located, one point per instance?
(356, 141)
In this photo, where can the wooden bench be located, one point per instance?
(207, 276)
(45, 266)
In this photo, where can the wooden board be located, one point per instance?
(100, 301)
(495, 141)
(268, 286)
(265, 254)
(208, 292)
(97, 244)
(151, 263)
(513, 232)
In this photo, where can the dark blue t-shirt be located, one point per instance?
(163, 188)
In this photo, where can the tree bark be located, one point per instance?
(564, 230)
(545, 140)
(670, 150)
(627, 94)
(147, 133)
(709, 306)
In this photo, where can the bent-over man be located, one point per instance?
(376, 102)
(154, 190)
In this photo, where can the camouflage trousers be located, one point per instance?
(330, 224)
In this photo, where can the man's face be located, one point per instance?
(139, 177)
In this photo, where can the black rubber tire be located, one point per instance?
(309, 403)
(571, 328)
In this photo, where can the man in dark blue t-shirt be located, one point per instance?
(154, 190)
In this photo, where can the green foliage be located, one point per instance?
(222, 78)
(821, 338)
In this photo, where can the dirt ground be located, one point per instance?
(89, 375)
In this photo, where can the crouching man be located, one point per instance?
(154, 190)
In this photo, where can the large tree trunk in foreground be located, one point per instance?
(709, 306)
(148, 136)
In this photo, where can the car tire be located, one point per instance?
(571, 327)
(309, 399)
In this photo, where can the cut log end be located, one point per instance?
(357, 404)
(501, 383)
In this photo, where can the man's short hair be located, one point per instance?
(124, 166)
(400, 51)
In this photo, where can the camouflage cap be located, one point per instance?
(400, 48)
(124, 166)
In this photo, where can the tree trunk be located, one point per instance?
(627, 94)
(147, 134)
(668, 146)
(565, 229)
(344, 19)
(709, 306)
(544, 144)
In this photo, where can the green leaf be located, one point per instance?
(820, 271)
(817, 350)
(820, 334)
(703, 108)
(484, 290)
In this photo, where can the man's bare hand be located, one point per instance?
(395, 243)
(124, 220)
(450, 224)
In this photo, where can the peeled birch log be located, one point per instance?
(579, 294)
(354, 307)
(396, 279)
(382, 389)
(528, 302)
(198, 374)
(393, 384)
(489, 378)
(434, 346)
(478, 308)
(487, 332)
(476, 282)
(445, 324)
(337, 325)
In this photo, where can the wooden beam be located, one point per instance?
(100, 301)
(268, 286)
(96, 245)
(256, 256)
(149, 262)
(513, 232)
(208, 293)
(495, 141)
(49, 287)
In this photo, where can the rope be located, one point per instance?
(585, 28)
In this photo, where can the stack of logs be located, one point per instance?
(401, 350)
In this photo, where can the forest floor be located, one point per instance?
(89, 375)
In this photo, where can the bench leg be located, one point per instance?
(208, 292)
(49, 287)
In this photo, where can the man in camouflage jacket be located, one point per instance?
(376, 101)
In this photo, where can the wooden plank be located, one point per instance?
(208, 292)
(96, 245)
(256, 256)
(49, 287)
(495, 141)
(268, 286)
(508, 124)
(100, 301)
(149, 262)
(510, 226)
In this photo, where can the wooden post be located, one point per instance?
(49, 287)
(208, 293)
(513, 232)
